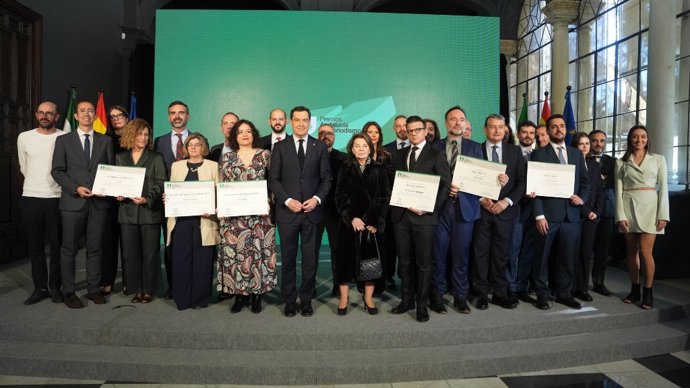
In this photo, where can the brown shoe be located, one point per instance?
(72, 301)
(96, 297)
(146, 298)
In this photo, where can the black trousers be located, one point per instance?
(330, 226)
(192, 265)
(415, 247)
(583, 258)
(563, 236)
(601, 249)
(42, 224)
(90, 222)
(110, 251)
(290, 234)
(141, 270)
(491, 245)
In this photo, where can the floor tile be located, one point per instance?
(671, 368)
(592, 380)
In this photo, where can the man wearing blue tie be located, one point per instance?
(558, 219)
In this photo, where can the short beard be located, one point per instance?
(281, 130)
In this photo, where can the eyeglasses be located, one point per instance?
(416, 130)
(193, 145)
(48, 114)
(117, 116)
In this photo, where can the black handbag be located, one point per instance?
(370, 267)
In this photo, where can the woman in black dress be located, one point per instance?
(361, 197)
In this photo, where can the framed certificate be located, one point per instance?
(193, 198)
(417, 191)
(550, 179)
(244, 198)
(478, 176)
(118, 180)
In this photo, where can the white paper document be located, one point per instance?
(248, 198)
(417, 191)
(478, 176)
(193, 198)
(118, 180)
(550, 179)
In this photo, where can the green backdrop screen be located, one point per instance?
(347, 67)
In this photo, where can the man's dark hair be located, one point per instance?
(454, 108)
(415, 119)
(178, 102)
(595, 131)
(300, 108)
(526, 123)
(553, 117)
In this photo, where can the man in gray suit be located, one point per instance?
(75, 160)
(300, 177)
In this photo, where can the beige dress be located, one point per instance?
(642, 208)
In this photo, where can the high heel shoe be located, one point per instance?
(371, 310)
(256, 303)
(647, 298)
(343, 311)
(240, 301)
(634, 294)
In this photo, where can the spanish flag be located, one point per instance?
(100, 125)
(545, 111)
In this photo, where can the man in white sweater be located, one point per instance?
(39, 203)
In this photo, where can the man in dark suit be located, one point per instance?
(330, 213)
(400, 129)
(415, 229)
(558, 219)
(75, 162)
(493, 231)
(171, 146)
(605, 225)
(300, 178)
(226, 123)
(277, 120)
(456, 220)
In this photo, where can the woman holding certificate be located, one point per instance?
(361, 197)
(246, 262)
(641, 209)
(193, 239)
(140, 217)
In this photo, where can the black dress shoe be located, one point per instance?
(602, 290)
(224, 296)
(343, 311)
(37, 296)
(482, 303)
(570, 302)
(436, 305)
(240, 302)
(307, 310)
(542, 303)
(524, 296)
(461, 306)
(371, 310)
(503, 301)
(256, 303)
(290, 309)
(96, 297)
(402, 308)
(56, 296)
(422, 314)
(72, 301)
(583, 296)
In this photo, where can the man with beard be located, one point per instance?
(39, 203)
(171, 146)
(276, 120)
(542, 136)
(558, 219)
(400, 129)
(605, 226)
(330, 213)
(226, 123)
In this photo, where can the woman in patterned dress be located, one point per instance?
(246, 261)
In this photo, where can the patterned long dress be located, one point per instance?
(246, 260)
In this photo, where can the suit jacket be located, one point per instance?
(560, 209)
(608, 170)
(430, 161)
(286, 180)
(208, 171)
(70, 169)
(516, 169)
(152, 211)
(163, 145)
(595, 202)
(336, 160)
(216, 153)
(467, 205)
(265, 142)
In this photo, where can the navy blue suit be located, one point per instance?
(564, 226)
(454, 231)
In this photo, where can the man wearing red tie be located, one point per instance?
(277, 120)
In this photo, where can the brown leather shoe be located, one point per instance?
(72, 301)
(96, 297)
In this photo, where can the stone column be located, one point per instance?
(661, 79)
(560, 13)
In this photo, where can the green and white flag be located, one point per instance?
(70, 122)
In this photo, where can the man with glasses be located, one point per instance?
(39, 203)
(456, 220)
(414, 228)
(75, 160)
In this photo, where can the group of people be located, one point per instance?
(468, 246)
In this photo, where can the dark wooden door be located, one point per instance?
(20, 85)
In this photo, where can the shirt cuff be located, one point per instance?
(510, 201)
(318, 199)
(541, 217)
(287, 201)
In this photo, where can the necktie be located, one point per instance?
(560, 155)
(300, 153)
(494, 155)
(278, 138)
(453, 155)
(413, 158)
(87, 148)
(401, 145)
(526, 154)
(179, 154)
